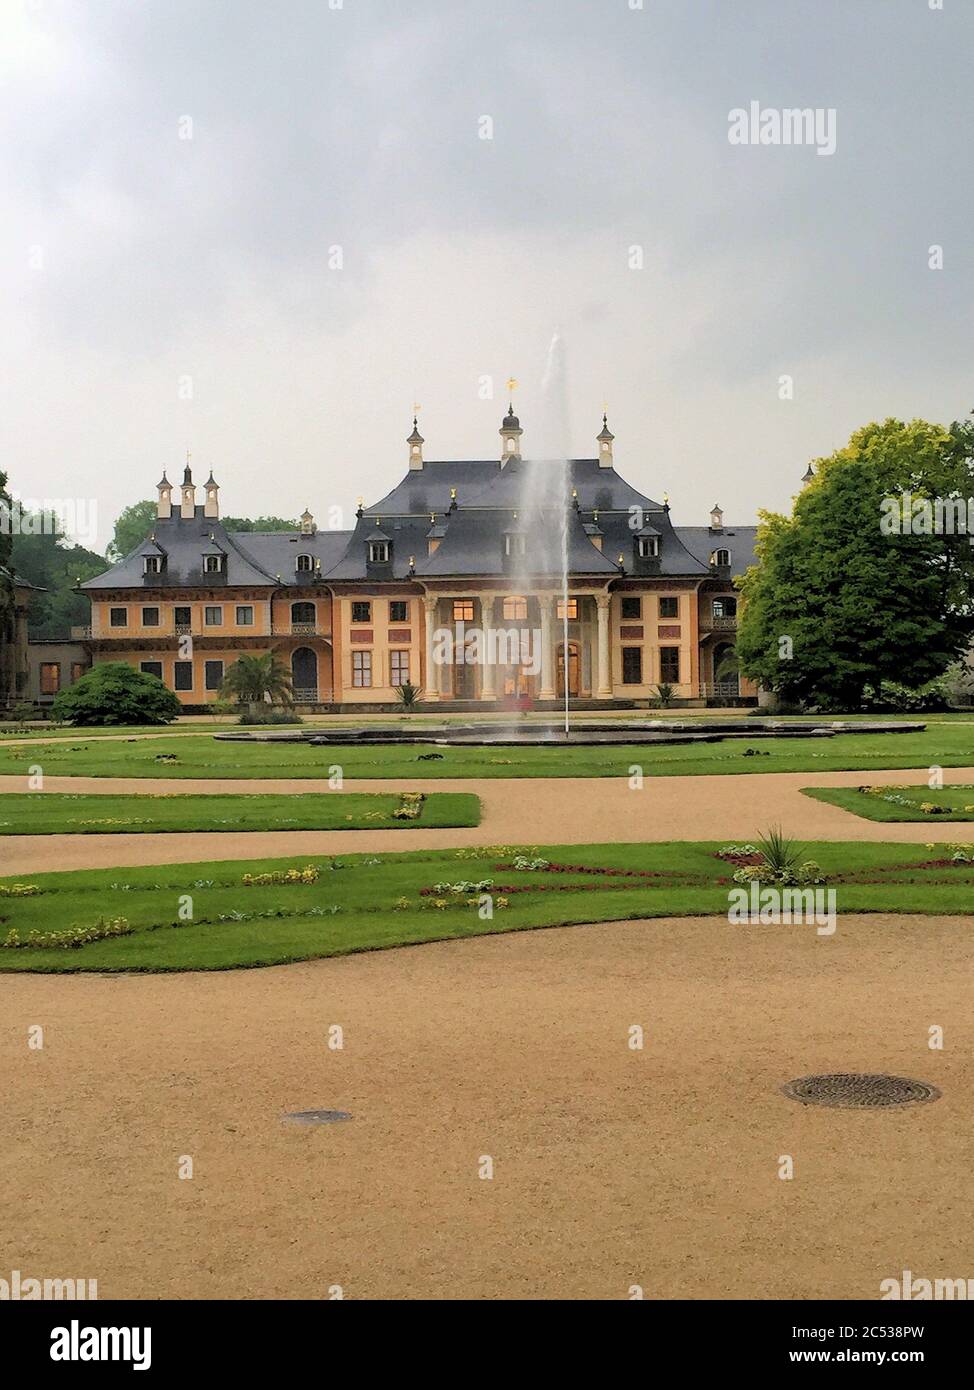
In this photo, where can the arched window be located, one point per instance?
(721, 557)
(515, 609)
(302, 613)
(305, 564)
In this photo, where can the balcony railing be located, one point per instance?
(298, 630)
(78, 634)
(711, 623)
(305, 696)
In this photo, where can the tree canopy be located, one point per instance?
(43, 555)
(114, 693)
(834, 604)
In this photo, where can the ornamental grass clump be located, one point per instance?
(781, 863)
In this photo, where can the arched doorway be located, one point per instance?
(726, 681)
(304, 675)
(574, 664)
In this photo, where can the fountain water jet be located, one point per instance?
(545, 502)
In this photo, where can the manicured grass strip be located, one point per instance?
(954, 803)
(370, 902)
(949, 744)
(65, 813)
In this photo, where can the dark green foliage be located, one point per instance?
(115, 693)
(853, 606)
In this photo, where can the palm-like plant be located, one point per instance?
(408, 694)
(781, 854)
(253, 680)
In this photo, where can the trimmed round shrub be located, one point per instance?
(116, 693)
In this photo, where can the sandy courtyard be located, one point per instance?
(612, 1167)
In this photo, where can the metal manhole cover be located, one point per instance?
(860, 1090)
(317, 1117)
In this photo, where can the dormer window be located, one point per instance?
(647, 547)
(305, 564)
(212, 564)
(152, 564)
(378, 552)
(720, 557)
(514, 543)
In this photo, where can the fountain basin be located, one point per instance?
(650, 731)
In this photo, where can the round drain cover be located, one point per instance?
(317, 1117)
(860, 1090)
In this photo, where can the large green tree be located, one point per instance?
(131, 528)
(835, 602)
(43, 555)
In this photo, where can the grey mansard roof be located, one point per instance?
(489, 501)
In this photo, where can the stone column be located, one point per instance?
(488, 671)
(604, 691)
(432, 689)
(546, 603)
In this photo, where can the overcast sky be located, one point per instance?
(138, 266)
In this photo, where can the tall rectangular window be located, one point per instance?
(182, 617)
(572, 609)
(669, 665)
(632, 665)
(245, 615)
(213, 675)
(669, 607)
(150, 617)
(398, 668)
(361, 612)
(182, 675)
(78, 668)
(50, 677)
(632, 607)
(361, 669)
(151, 668)
(463, 610)
(515, 608)
(119, 617)
(398, 611)
(212, 564)
(213, 615)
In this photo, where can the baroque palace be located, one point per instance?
(454, 546)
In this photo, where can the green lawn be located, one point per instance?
(367, 902)
(947, 743)
(957, 802)
(64, 813)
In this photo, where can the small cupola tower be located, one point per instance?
(808, 476)
(510, 432)
(308, 527)
(211, 504)
(716, 518)
(187, 506)
(605, 438)
(415, 442)
(164, 503)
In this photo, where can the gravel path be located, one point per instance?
(612, 1167)
(515, 811)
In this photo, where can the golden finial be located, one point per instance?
(511, 384)
(453, 494)
(574, 491)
